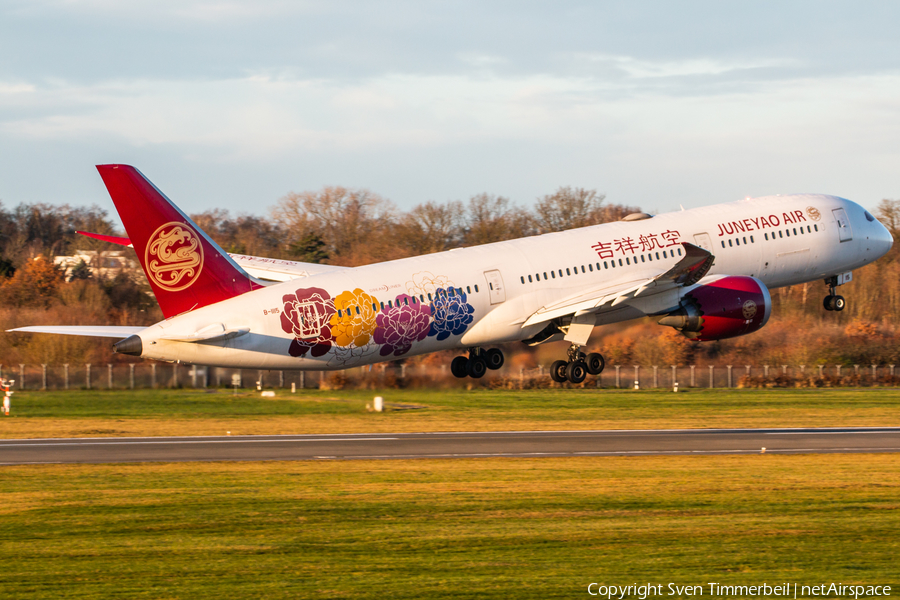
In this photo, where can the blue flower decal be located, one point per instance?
(450, 312)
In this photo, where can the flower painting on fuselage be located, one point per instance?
(353, 324)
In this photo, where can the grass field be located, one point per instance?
(195, 412)
(520, 528)
(475, 528)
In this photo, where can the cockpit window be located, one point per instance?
(869, 217)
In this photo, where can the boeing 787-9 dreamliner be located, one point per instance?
(706, 272)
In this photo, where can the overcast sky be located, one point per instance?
(234, 104)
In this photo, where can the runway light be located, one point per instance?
(763, 451)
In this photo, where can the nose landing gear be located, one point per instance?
(477, 363)
(578, 367)
(832, 300)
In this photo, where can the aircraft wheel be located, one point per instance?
(576, 371)
(558, 371)
(458, 366)
(839, 303)
(494, 359)
(595, 363)
(829, 302)
(476, 367)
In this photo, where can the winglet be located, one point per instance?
(185, 267)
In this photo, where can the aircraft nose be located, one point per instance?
(883, 239)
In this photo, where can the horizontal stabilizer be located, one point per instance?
(212, 333)
(113, 239)
(107, 331)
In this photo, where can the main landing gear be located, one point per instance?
(578, 367)
(477, 363)
(832, 300)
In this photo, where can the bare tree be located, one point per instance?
(493, 219)
(354, 224)
(431, 227)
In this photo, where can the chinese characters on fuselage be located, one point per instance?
(643, 243)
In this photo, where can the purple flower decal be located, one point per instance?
(306, 315)
(406, 322)
(452, 314)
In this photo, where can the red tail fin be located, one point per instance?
(186, 269)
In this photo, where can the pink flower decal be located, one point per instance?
(406, 322)
(306, 315)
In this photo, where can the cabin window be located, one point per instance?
(752, 241)
(405, 302)
(657, 254)
(737, 241)
(627, 260)
(545, 275)
(604, 264)
(522, 278)
(787, 232)
(568, 272)
(598, 265)
(679, 252)
(642, 258)
(795, 231)
(476, 288)
(730, 245)
(723, 243)
(745, 240)
(357, 310)
(560, 272)
(664, 254)
(650, 257)
(780, 234)
(590, 267)
(340, 314)
(375, 307)
(817, 227)
(767, 236)
(529, 279)
(553, 274)
(620, 263)
(582, 269)
(808, 229)
(453, 291)
(429, 296)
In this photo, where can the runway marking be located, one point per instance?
(222, 441)
(825, 432)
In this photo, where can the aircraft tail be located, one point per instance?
(186, 269)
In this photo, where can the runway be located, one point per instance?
(450, 445)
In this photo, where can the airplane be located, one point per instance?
(705, 272)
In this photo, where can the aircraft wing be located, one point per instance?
(692, 267)
(267, 269)
(109, 331)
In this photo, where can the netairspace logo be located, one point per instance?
(715, 589)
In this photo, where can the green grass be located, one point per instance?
(187, 412)
(522, 528)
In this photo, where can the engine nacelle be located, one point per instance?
(724, 308)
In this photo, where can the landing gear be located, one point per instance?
(833, 301)
(578, 367)
(477, 363)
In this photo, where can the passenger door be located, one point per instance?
(495, 286)
(843, 224)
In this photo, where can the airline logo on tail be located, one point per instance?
(174, 256)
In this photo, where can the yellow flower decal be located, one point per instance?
(354, 321)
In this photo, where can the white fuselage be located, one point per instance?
(781, 240)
